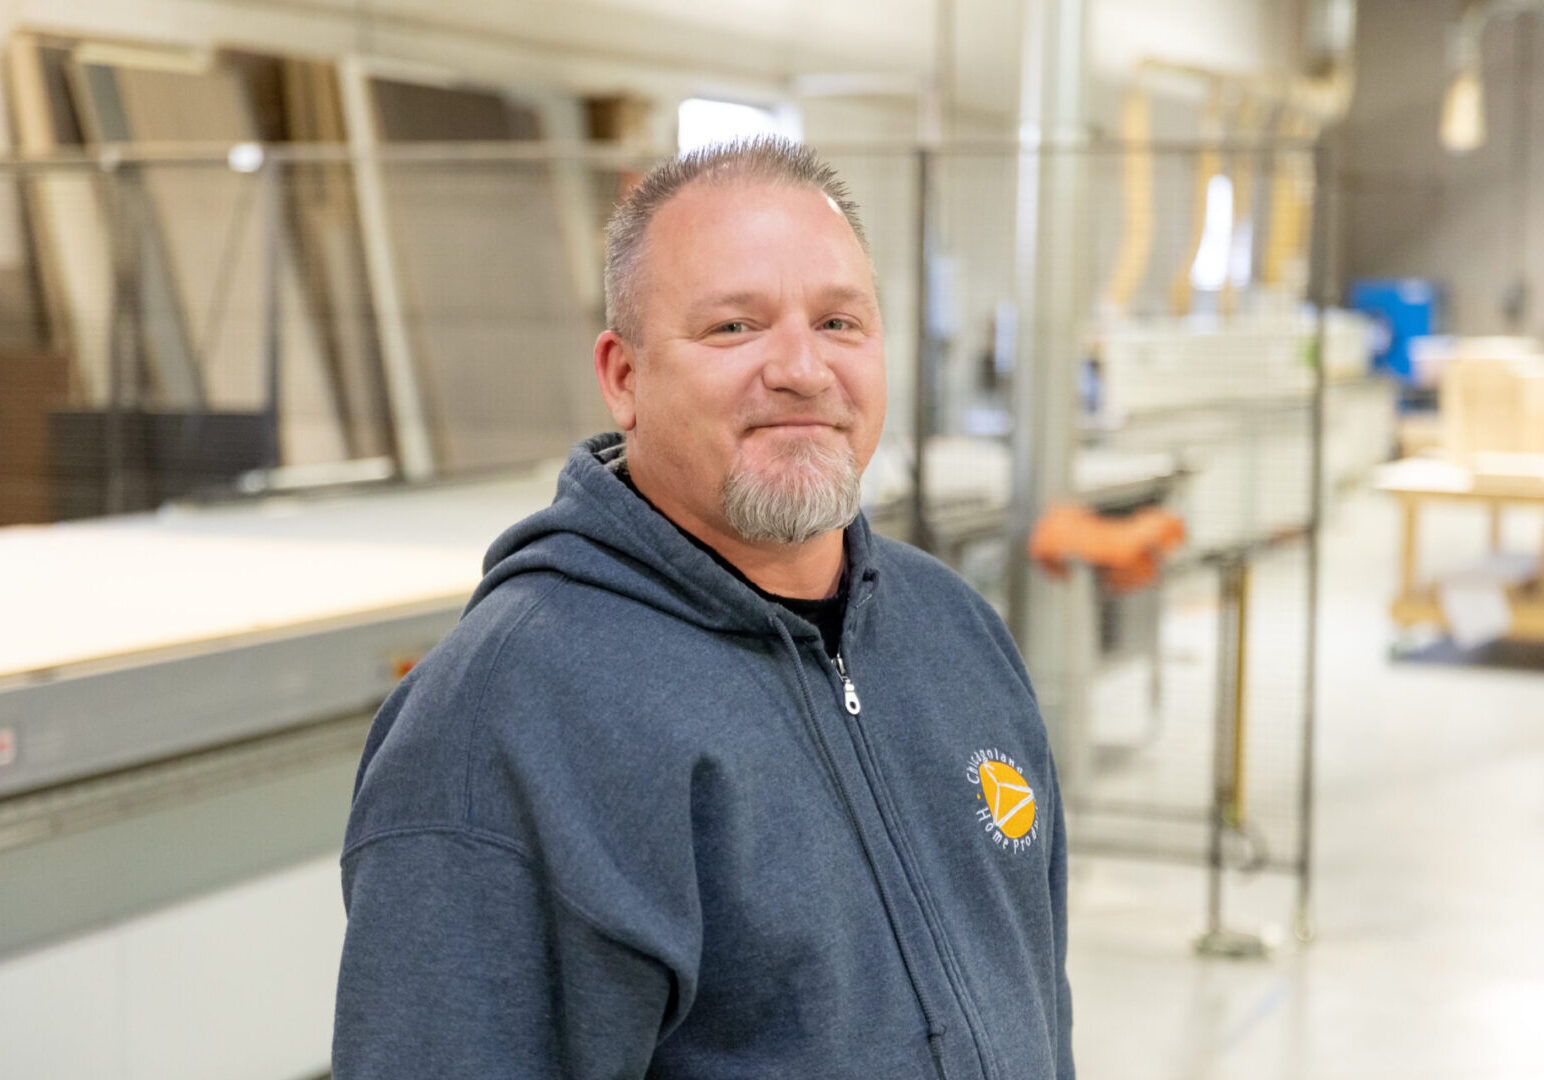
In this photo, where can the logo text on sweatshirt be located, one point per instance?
(1007, 802)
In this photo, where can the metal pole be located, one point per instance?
(1232, 626)
(944, 66)
(1022, 458)
(1050, 620)
(1520, 299)
(271, 338)
(123, 382)
(1222, 755)
(1240, 692)
(1325, 287)
(923, 387)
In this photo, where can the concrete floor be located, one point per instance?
(1428, 960)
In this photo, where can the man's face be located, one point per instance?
(762, 346)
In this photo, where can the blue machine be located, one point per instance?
(1402, 308)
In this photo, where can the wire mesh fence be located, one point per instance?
(227, 322)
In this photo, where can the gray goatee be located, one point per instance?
(812, 489)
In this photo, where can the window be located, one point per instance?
(701, 121)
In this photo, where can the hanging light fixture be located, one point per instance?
(1463, 106)
(1463, 113)
(1462, 127)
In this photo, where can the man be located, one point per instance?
(710, 781)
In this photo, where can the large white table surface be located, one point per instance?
(108, 588)
(189, 575)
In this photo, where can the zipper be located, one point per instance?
(935, 1027)
(854, 709)
(849, 692)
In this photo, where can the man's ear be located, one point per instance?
(616, 368)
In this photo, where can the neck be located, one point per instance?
(808, 571)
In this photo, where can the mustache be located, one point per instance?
(837, 418)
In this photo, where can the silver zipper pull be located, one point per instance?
(849, 691)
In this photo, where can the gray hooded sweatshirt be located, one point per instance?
(630, 820)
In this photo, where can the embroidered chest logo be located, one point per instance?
(1005, 801)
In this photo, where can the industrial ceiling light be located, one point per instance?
(1463, 113)
(1462, 128)
(1463, 107)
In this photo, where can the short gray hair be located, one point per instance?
(769, 158)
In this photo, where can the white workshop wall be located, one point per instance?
(238, 985)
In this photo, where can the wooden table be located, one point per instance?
(1500, 479)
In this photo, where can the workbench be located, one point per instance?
(1497, 481)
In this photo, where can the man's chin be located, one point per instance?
(794, 444)
(792, 497)
(795, 478)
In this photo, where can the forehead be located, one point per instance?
(751, 230)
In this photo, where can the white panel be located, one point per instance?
(238, 985)
(62, 1011)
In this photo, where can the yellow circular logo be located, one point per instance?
(1009, 797)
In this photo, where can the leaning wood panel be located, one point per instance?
(415, 450)
(496, 324)
(323, 217)
(68, 225)
(211, 222)
(139, 247)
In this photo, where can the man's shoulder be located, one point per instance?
(532, 603)
(924, 588)
(914, 568)
(534, 679)
(511, 615)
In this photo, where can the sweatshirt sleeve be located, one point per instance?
(461, 961)
(1065, 1070)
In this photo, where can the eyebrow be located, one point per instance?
(834, 295)
(704, 308)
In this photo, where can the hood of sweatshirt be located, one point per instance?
(597, 532)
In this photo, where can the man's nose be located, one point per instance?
(796, 361)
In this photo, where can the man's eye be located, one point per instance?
(733, 327)
(836, 323)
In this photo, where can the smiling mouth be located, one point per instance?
(788, 424)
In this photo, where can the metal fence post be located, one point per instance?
(1323, 289)
(272, 349)
(926, 366)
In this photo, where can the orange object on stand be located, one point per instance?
(1126, 550)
